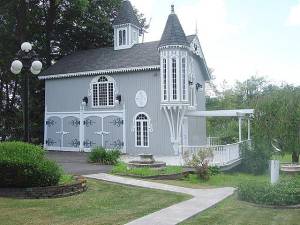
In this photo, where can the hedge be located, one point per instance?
(24, 165)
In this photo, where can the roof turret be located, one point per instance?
(173, 33)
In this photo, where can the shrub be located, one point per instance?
(24, 165)
(213, 170)
(255, 157)
(283, 193)
(200, 161)
(106, 157)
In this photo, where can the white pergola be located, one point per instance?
(240, 113)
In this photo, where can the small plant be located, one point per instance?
(200, 161)
(283, 193)
(103, 156)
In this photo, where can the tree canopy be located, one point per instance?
(56, 28)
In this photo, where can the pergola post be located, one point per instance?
(249, 129)
(240, 129)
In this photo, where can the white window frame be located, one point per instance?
(123, 40)
(148, 129)
(171, 71)
(109, 81)
(164, 83)
(184, 79)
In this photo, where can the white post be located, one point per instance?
(249, 131)
(81, 129)
(274, 170)
(45, 127)
(240, 129)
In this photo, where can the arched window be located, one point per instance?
(174, 79)
(165, 91)
(142, 130)
(184, 80)
(103, 92)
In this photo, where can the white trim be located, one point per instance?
(100, 72)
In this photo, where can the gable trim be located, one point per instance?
(100, 72)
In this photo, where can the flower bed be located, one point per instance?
(76, 187)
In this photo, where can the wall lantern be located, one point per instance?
(199, 86)
(118, 99)
(85, 101)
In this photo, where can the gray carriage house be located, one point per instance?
(136, 97)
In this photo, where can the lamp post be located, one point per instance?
(28, 59)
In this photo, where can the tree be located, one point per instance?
(56, 28)
(277, 118)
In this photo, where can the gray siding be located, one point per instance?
(197, 125)
(65, 95)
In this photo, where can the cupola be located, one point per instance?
(126, 27)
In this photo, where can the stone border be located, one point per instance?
(60, 191)
(175, 176)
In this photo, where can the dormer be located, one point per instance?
(126, 27)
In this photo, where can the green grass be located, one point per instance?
(220, 180)
(121, 168)
(103, 204)
(234, 212)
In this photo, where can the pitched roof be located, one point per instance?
(140, 55)
(126, 15)
(173, 33)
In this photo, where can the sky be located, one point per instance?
(239, 38)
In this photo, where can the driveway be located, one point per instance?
(76, 163)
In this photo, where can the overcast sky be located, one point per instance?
(239, 38)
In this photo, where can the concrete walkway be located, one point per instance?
(203, 199)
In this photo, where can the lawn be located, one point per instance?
(234, 212)
(121, 168)
(220, 180)
(103, 204)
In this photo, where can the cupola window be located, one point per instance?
(165, 91)
(122, 37)
(174, 79)
(184, 80)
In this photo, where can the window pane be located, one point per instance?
(95, 95)
(165, 78)
(103, 94)
(174, 79)
(102, 79)
(110, 93)
(124, 37)
(141, 117)
(145, 133)
(120, 38)
(183, 74)
(138, 134)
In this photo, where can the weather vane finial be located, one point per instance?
(172, 8)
